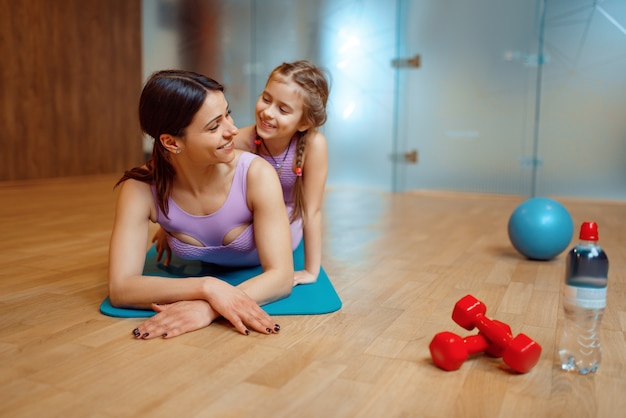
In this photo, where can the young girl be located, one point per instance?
(288, 113)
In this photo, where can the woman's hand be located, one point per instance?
(238, 308)
(160, 238)
(303, 277)
(175, 319)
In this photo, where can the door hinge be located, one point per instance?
(410, 157)
(413, 62)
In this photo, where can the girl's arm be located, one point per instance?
(314, 173)
(244, 138)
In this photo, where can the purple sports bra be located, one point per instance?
(287, 179)
(286, 176)
(211, 229)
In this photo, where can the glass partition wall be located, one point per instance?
(582, 131)
(515, 97)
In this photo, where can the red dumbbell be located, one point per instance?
(449, 351)
(520, 353)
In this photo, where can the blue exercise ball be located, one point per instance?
(540, 228)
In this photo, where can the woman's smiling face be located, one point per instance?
(210, 134)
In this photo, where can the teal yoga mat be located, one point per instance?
(307, 299)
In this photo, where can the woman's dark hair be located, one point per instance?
(169, 101)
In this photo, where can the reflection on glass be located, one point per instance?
(468, 109)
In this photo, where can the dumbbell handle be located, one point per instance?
(469, 313)
(505, 341)
(493, 331)
(478, 343)
(449, 351)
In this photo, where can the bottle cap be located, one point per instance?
(589, 231)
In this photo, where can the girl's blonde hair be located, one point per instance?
(313, 82)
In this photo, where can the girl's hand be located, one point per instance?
(175, 319)
(160, 238)
(303, 277)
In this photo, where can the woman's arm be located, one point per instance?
(127, 252)
(272, 235)
(129, 288)
(314, 175)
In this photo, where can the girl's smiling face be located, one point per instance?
(279, 110)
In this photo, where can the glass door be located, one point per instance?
(513, 97)
(357, 45)
(468, 112)
(582, 133)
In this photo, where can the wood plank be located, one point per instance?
(399, 262)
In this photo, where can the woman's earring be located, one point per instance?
(178, 150)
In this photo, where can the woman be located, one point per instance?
(218, 205)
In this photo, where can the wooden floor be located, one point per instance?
(398, 261)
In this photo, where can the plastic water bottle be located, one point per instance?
(584, 300)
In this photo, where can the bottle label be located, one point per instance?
(585, 297)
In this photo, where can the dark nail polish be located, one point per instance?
(276, 327)
(247, 332)
(268, 330)
(136, 332)
(145, 335)
(164, 335)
